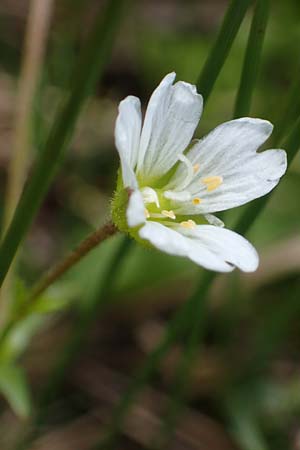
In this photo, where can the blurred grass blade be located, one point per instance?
(242, 108)
(173, 331)
(270, 334)
(36, 37)
(40, 14)
(14, 387)
(96, 301)
(197, 318)
(290, 111)
(253, 210)
(218, 54)
(252, 58)
(93, 59)
(244, 424)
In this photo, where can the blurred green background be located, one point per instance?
(244, 390)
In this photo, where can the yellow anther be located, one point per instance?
(196, 201)
(170, 214)
(196, 168)
(212, 183)
(188, 224)
(147, 214)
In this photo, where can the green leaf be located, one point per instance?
(14, 387)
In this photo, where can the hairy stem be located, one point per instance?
(76, 255)
(60, 269)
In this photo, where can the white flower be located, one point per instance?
(174, 184)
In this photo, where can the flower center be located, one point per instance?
(158, 202)
(156, 206)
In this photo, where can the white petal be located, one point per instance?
(127, 136)
(156, 111)
(175, 243)
(136, 210)
(211, 247)
(226, 245)
(164, 238)
(128, 175)
(229, 152)
(172, 115)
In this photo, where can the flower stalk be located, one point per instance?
(88, 244)
(60, 269)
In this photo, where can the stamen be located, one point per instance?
(212, 183)
(196, 201)
(196, 167)
(190, 224)
(147, 214)
(170, 214)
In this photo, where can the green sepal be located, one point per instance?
(119, 205)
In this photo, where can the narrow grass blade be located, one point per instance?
(34, 48)
(218, 54)
(93, 59)
(270, 335)
(35, 43)
(173, 331)
(244, 425)
(242, 108)
(196, 320)
(252, 58)
(290, 111)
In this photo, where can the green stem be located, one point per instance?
(81, 250)
(218, 54)
(92, 62)
(252, 58)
